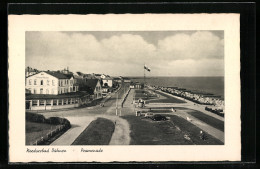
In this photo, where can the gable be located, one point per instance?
(42, 75)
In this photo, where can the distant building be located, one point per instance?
(98, 76)
(136, 85)
(47, 82)
(30, 71)
(117, 79)
(108, 81)
(126, 80)
(93, 87)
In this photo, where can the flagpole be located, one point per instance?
(144, 74)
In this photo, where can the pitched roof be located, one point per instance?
(69, 75)
(92, 83)
(57, 75)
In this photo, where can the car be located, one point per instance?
(158, 117)
(147, 115)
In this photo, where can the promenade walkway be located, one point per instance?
(78, 126)
(80, 119)
(190, 105)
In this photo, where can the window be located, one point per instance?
(53, 83)
(48, 102)
(41, 91)
(34, 102)
(52, 91)
(41, 82)
(65, 101)
(30, 82)
(47, 91)
(55, 102)
(34, 91)
(60, 101)
(35, 82)
(48, 82)
(42, 102)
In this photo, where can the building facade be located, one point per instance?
(94, 88)
(109, 81)
(50, 83)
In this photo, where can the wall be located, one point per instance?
(48, 88)
(109, 82)
(54, 107)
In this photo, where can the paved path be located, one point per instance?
(78, 126)
(218, 134)
(80, 119)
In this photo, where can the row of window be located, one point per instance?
(66, 82)
(35, 82)
(52, 91)
(42, 82)
(47, 91)
(55, 102)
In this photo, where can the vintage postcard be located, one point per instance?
(128, 87)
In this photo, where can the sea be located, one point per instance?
(203, 85)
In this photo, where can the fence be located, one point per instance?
(49, 135)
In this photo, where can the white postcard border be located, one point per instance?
(18, 24)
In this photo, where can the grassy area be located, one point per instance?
(99, 132)
(144, 94)
(169, 99)
(35, 131)
(170, 132)
(218, 124)
(193, 131)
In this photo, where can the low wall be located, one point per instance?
(47, 107)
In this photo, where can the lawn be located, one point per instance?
(218, 124)
(99, 132)
(35, 131)
(143, 94)
(169, 99)
(170, 132)
(193, 131)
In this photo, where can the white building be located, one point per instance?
(109, 81)
(50, 83)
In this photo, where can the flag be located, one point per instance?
(146, 68)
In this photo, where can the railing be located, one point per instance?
(49, 135)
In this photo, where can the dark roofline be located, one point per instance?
(51, 74)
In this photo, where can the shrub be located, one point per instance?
(38, 118)
(35, 117)
(58, 121)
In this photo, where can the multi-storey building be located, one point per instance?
(47, 82)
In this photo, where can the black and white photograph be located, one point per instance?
(125, 88)
(135, 85)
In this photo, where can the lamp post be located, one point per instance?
(116, 102)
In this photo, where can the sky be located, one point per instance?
(124, 53)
